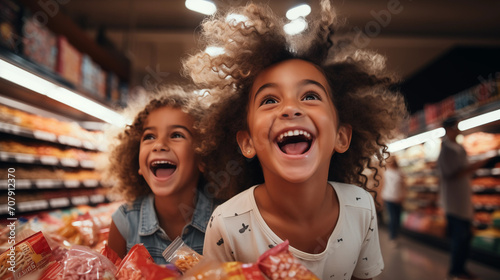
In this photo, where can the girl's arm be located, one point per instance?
(116, 241)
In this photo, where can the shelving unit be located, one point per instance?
(423, 218)
(54, 169)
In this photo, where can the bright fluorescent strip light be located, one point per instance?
(299, 11)
(416, 139)
(201, 6)
(32, 82)
(295, 26)
(479, 120)
(214, 51)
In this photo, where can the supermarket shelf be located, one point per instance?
(483, 172)
(486, 207)
(45, 160)
(24, 207)
(486, 189)
(424, 188)
(43, 184)
(48, 137)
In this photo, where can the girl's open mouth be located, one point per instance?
(163, 168)
(294, 142)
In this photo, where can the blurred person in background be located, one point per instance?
(455, 173)
(393, 194)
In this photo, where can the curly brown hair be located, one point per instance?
(123, 166)
(365, 96)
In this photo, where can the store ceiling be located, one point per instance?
(156, 34)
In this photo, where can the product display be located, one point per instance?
(423, 213)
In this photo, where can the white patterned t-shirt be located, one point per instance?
(237, 232)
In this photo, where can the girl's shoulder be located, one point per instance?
(352, 195)
(238, 204)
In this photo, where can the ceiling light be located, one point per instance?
(37, 84)
(201, 6)
(298, 11)
(416, 139)
(479, 120)
(296, 26)
(214, 51)
(236, 18)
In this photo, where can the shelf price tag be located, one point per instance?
(91, 183)
(34, 205)
(49, 160)
(80, 200)
(88, 145)
(23, 184)
(44, 135)
(25, 158)
(71, 184)
(59, 202)
(71, 141)
(47, 183)
(90, 164)
(69, 162)
(97, 198)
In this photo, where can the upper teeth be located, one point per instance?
(293, 133)
(162, 162)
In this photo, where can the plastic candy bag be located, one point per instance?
(81, 262)
(181, 255)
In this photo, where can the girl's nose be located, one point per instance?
(160, 146)
(291, 110)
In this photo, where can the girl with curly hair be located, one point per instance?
(157, 171)
(300, 118)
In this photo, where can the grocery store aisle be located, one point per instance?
(413, 260)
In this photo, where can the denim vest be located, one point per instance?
(138, 223)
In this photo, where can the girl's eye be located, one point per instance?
(311, 96)
(148, 136)
(178, 135)
(268, 100)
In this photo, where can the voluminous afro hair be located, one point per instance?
(122, 170)
(253, 39)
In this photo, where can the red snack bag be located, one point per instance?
(111, 255)
(278, 263)
(30, 255)
(139, 265)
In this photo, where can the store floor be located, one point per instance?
(414, 260)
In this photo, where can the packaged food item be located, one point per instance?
(26, 257)
(210, 269)
(181, 255)
(139, 265)
(81, 262)
(111, 255)
(278, 263)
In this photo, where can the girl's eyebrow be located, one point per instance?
(171, 127)
(308, 82)
(302, 83)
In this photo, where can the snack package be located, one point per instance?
(209, 269)
(81, 262)
(111, 255)
(139, 265)
(26, 257)
(181, 255)
(278, 263)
